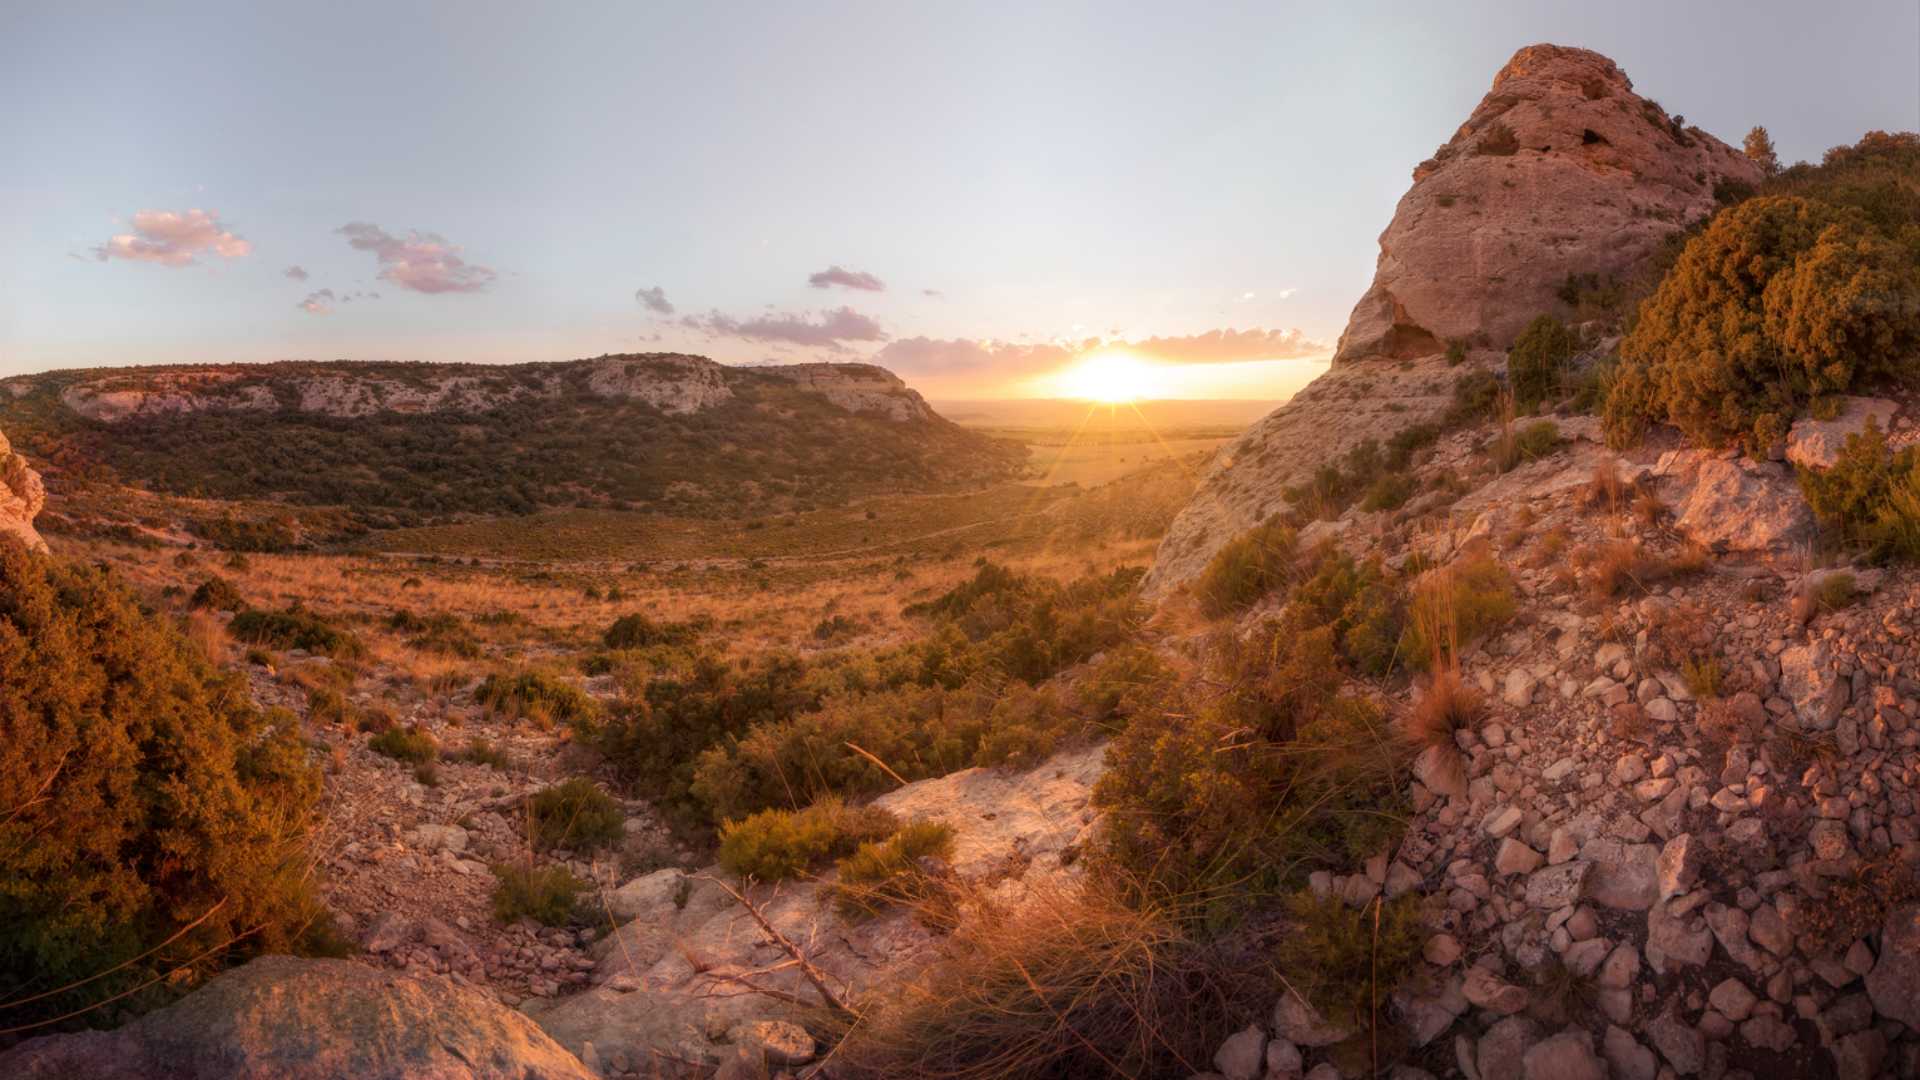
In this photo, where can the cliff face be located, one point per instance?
(1561, 170)
(21, 497)
(675, 383)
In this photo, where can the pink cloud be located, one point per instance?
(319, 302)
(826, 329)
(423, 262)
(173, 238)
(846, 279)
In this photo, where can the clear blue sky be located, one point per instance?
(1052, 171)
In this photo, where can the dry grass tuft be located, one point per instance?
(1074, 983)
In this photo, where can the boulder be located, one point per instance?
(650, 896)
(1736, 504)
(1894, 982)
(1562, 169)
(1566, 1056)
(1816, 444)
(21, 497)
(283, 1018)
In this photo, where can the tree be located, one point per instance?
(1538, 359)
(1759, 148)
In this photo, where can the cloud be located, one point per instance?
(920, 356)
(1287, 294)
(935, 293)
(826, 329)
(1226, 347)
(319, 302)
(654, 299)
(173, 238)
(846, 279)
(423, 262)
(295, 272)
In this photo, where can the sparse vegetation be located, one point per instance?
(774, 845)
(1349, 960)
(1537, 363)
(883, 873)
(547, 894)
(1871, 496)
(1249, 567)
(410, 744)
(295, 628)
(535, 695)
(573, 815)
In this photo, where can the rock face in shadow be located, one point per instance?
(21, 497)
(1561, 170)
(282, 1018)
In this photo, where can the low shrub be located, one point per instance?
(534, 695)
(484, 752)
(637, 631)
(217, 593)
(1347, 961)
(1530, 443)
(1249, 567)
(295, 628)
(442, 633)
(1455, 606)
(575, 816)
(882, 874)
(548, 895)
(1537, 363)
(409, 744)
(775, 845)
(1871, 496)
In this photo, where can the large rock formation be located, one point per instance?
(280, 1018)
(21, 497)
(1561, 170)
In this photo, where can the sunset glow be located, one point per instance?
(1112, 378)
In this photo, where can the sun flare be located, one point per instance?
(1112, 378)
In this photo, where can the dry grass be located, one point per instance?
(1607, 490)
(1445, 706)
(1073, 983)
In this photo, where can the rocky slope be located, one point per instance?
(1561, 170)
(21, 497)
(410, 443)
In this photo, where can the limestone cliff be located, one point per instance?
(21, 497)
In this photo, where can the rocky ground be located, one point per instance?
(1633, 877)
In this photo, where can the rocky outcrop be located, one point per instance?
(1735, 504)
(668, 982)
(281, 1018)
(1816, 444)
(674, 383)
(21, 497)
(1561, 170)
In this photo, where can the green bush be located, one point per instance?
(1249, 567)
(1871, 496)
(548, 895)
(444, 634)
(1781, 299)
(574, 815)
(295, 628)
(535, 695)
(1455, 606)
(142, 790)
(217, 593)
(1363, 604)
(1537, 363)
(1344, 962)
(409, 744)
(775, 845)
(485, 752)
(636, 631)
(1530, 443)
(881, 874)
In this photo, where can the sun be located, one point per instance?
(1111, 378)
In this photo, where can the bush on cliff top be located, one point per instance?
(142, 796)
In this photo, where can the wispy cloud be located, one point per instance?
(654, 299)
(318, 302)
(296, 273)
(1287, 294)
(173, 238)
(1225, 347)
(846, 279)
(423, 262)
(935, 293)
(825, 329)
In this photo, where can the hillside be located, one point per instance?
(405, 444)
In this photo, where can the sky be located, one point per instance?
(979, 195)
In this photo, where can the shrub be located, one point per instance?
(574, 815)
(1537, 363)
(1835, 591)
(881, 874)
(774, 845)
(547, 895)
(445, 634)
(637, 631)
(142, 791)
(1362, 604)
(1345, 962)
(1781, 299)
(1447, 704)
(217, 593)
(534, 695)
(1126, 680)
(485, 752)
(1702, 677)
(326, 704)
(1252, 565)
(295, 628)
(1530, 443)
(1870, 497)
(1455, 606)
(409, 744)
(1074, 984)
